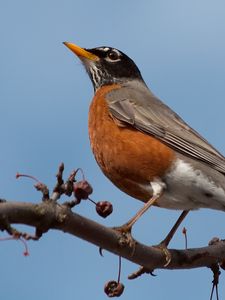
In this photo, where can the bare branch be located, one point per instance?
(51, 215)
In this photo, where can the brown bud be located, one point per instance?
(113, 288)
(82, 189)
(184, 230)
(104, 208)
(26, 253)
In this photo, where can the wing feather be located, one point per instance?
(142, 110)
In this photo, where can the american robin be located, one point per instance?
(144, 147)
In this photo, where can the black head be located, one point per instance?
(106, 65)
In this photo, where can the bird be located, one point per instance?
(143, 147)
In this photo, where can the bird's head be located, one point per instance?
(106, 65)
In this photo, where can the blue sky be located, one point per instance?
(179, 47)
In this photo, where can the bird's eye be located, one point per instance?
(113, 55)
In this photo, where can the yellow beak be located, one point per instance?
(80, 52)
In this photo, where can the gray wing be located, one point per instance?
(134, 104)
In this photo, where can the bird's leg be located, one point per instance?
(173, 230)
(157, 191)
(162, 246)
(164, 243)
(125, 230)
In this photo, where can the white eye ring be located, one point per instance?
(113, 56)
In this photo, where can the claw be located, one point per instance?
(100, 250)
(166, 252)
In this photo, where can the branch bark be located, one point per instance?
(51, 215)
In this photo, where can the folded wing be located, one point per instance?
(142, 110)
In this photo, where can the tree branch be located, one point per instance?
(51, 215)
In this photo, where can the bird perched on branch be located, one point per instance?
(144, 147)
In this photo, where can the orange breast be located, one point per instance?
(128, 157)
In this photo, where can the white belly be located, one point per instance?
(188, 189)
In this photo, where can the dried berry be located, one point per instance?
(104, 208)
(82, 189)
(113, 288)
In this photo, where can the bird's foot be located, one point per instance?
(163, 247)
(143, 270)
(125, 228)
(125, 238)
